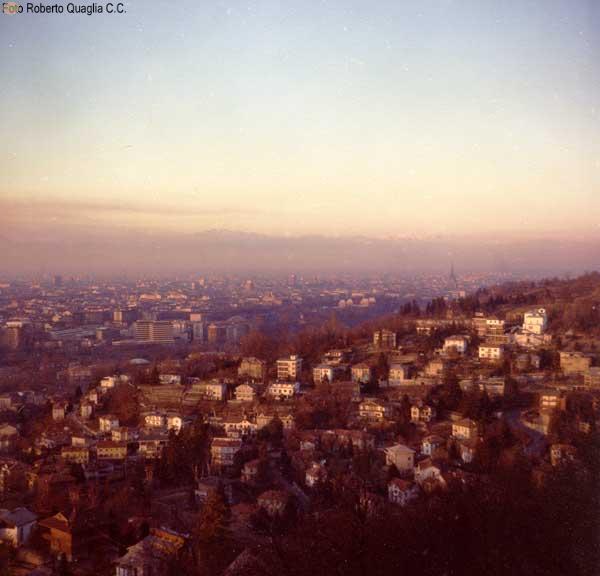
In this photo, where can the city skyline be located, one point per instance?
(412, 119)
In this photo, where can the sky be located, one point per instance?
(389, 118)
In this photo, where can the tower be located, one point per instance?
(452, 277)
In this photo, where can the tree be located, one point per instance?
(257, 344)
(211, 541)
(123, 402)
(186, 452)
(382, 369)
(63, 568)
(450, 393)
(272, 432)
(5, 557)
(154, 376)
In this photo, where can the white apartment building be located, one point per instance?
(485, 326)
(491, 352)
(154, 331)
(552, 400)
(154, 420)
(535, 321)
(289, 368)
(323, 372)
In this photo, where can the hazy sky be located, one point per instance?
(374, 117)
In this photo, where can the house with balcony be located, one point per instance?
(465, 429)
(374, 410)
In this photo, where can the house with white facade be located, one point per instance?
(465, 429)
(402, 492)
(431, 443)
(457, 344)
(244, 393)
(421, 412)
(491, 352)
(155, 420)
(398, 374)
(174, 422)
(361, 373)
(107, 422)
(535, 321)
(374, 410)
(283, 390)
(236, 427)
(400, 456)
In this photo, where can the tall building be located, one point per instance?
(17, 334)
(384, 339)
(198, 331)
(154, 331)
(124, 316)
(216, 333)
(235, 329)
(289, 368)
(488, 326)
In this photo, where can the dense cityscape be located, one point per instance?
(230, 426)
